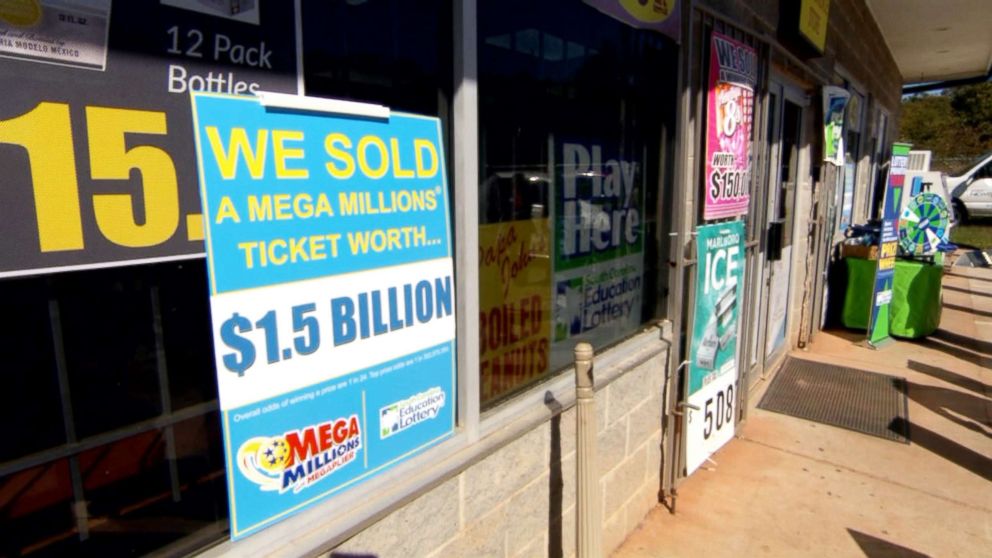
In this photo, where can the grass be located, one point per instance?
(976, 233)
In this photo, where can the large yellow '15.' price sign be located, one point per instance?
(45, 132)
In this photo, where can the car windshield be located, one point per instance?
(971, 164)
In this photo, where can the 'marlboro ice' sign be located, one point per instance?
(713, 371)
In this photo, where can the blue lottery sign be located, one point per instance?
(332, 297)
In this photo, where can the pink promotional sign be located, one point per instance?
(730, 109)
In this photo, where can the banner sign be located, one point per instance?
(855, 110)
(847, 195)
(713, 373)
(514, 305)
(332, 297)
(657, 15)
(813, 18)
(599, 239)
(729, 113)
(98, 169)
(878, 325)
(834, 103)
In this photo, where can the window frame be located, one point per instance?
(477, 433)
(862, 155)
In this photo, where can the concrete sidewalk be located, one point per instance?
(791, 487)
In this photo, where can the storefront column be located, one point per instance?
(465, 147)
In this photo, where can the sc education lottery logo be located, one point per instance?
(397, 417)
(300, 458)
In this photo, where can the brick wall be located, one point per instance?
(856, 43)
(520, 500)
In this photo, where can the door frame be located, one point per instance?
(760, 362)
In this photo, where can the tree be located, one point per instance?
(974, 104)
(956, 124)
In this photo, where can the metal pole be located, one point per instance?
(589, 525)
(165, 394)
(465, 150)
(79, 504)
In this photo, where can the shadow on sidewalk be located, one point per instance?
(967, 291)
(965, 382)
(946, 448)
(953, 405)
(967, 310)
(973, 278)
(977, 345)
(950, 349)
(874, 547)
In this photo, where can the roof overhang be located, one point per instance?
(931, 40)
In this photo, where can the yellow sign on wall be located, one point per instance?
(813, 17)
(657, 15)
(649, 12)
(515, 305)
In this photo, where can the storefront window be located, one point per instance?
(878, 177)
(108, 399)
(575, 111)
(788, 167)
(389, 52)
(852, 150)
(109, 403)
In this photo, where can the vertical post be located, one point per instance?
(683, 220)
(79, 504)
(589, 526)
(465, 150)
(165, 394)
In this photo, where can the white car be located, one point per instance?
(971, 192)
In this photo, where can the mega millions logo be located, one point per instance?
(300, 458)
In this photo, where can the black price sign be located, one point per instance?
(96, 138)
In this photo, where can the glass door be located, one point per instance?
(783, 193)
(788, 166)
(759, 266)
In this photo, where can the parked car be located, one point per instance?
(971, 191)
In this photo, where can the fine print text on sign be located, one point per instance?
(332, 297)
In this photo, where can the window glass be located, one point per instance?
(109, 350)
(26, 340)
(878, 188)
(118, 388)
(575, 112)
(390, 52)
(971, 164)
(35, 508)
(184, 310)
(109, 396)
(852, 150)
(789, 167)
